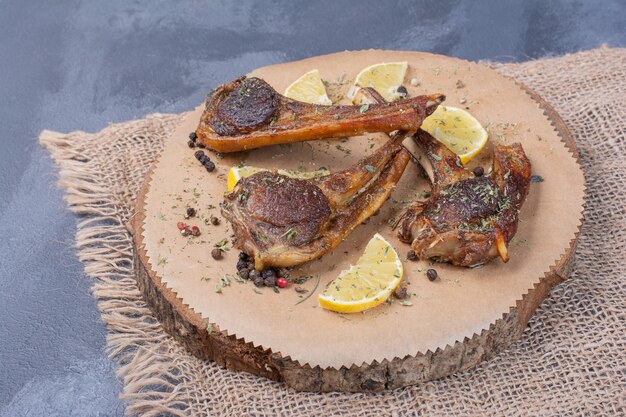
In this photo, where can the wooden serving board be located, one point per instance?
(463, 318)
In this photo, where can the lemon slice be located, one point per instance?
(309, 88)
(384, 78)
(367, 283)
(239, 172)
(458, 130)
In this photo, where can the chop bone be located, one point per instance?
(467, 220)
(248, 113)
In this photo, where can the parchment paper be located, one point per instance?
(461, 303)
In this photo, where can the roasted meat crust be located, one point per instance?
(467, 220)
(242, 106)
(248, 113)
(281, 221)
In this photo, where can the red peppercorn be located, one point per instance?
(195, 230)
(181, 225)
(281, 282)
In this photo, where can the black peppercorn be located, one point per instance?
(431, 274)
(411, 255)
(400, 293)
(191, 211)
(193, 136)
(200, 145)
(215, 221)
(191, 143)
(479, 171)
(268, 273)
(216, 254)
(402, 91)
(256, 278)
(204, 159)
(198, 155)
(244, 273)
(269, 282)
(241, 265)
(243, 256)
(210, 166)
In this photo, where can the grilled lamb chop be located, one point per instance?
(468, 220)
(248, 113)
(283, 221)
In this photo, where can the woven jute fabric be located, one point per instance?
(570, 361)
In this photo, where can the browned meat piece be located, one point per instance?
(283, 221)
(248, 113)
(467, 220)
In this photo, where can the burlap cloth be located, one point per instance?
(570, 361)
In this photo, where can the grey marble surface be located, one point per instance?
(67, 65)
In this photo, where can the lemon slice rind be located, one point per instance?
(384, 77)
(366, 284)
(309, 88)
(458, 130)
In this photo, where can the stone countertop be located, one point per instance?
(70, 65)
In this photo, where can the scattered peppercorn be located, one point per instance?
(215, 221)
(198, 155)
(402, 91)
(400, 293)
(193, 136)
(431, 274)
(204, 159)
(181, 225)
(282, 282)
(269, 282)
(210, 166)
(216, 253)
(186, 231)
(191, 143)
(254, 274)
(243, 256)
(479, 171)
(268, 273)
(411, 255)
(244, 273)
(242, 265)
(191, 211)
(195, 230)
(258, 281)
(200, 145)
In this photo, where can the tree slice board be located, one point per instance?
(454, 323)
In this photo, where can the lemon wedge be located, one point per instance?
(309, 88)
(367, 283)
(238, 172)
(385, 78)
(458, 130)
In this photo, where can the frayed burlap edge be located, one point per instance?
(104, 246)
